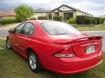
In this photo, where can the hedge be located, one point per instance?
(57, 18)
(42, 18)
(8, 21)
(89, 20)
(80, 19)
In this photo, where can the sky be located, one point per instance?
(95, 7)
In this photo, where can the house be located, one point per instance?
(103, 16)
(7, 14)
(64, 11)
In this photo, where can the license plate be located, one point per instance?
(90, 49)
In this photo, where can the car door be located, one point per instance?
(24, 38)
(14, 36)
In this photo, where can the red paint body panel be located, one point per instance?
(46, 46)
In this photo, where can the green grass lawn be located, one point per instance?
(13, 66)
(90, 27)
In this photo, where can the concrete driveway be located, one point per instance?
(4, 33)
(4, 30)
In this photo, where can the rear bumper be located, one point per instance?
(74, 65)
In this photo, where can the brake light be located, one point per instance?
(67, 52)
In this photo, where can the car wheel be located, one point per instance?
(34, 62)
(8, 44)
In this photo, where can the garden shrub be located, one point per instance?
(57, 18)
(42, 18)
(101, 20)
(72, 21)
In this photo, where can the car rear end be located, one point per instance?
(70, 51)
(79, 55)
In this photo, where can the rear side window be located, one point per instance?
(19, 28)
(28, 29)
(31, 30)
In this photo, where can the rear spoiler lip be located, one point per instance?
(79, 39)
(90, 38)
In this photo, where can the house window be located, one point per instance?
(68, 15)
(56, 13)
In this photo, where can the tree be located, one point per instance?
(23, 12)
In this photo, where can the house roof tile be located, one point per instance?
(7, 13)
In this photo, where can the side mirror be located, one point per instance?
(12, 30)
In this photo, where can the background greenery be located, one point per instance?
(23, 12)
(8, 21)
(89, 20)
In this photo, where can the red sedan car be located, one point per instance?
(55, 46)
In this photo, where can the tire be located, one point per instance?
(8, 44)
(34, 62)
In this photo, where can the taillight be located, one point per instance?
(67, 52)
